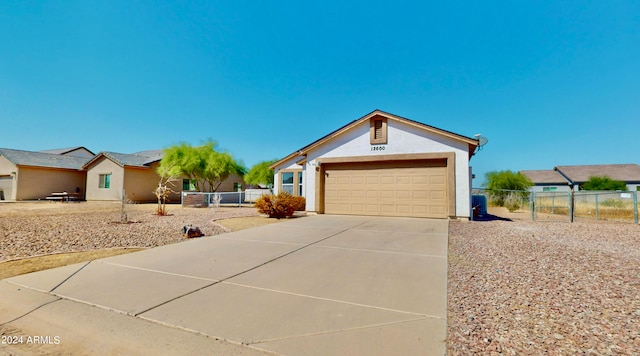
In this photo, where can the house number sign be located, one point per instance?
(378, 148)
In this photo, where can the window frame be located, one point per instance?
(296, 186)
(104, 181)
(300, 186)
(190, 184)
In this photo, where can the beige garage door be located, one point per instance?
(415, 188)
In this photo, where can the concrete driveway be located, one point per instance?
(319, 285)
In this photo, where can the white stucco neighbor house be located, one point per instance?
(384, 165)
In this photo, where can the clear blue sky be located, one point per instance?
(548, 82)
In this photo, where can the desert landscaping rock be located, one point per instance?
(33, 229)
(529, 288)
(514, 287)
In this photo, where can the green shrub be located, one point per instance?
(513, 202)
(280, 206)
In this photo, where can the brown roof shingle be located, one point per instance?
(545, 177)
(623, 172)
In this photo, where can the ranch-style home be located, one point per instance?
(382, 164)
(27, 175)
(109, 174)
(567, 178)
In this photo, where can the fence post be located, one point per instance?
(596, 206)
(635, 206)
(571, 205)
(532, 206)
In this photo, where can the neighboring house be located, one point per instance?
(111, 173)
(578, 175)
(547, 181)
(382, 164)
(27, 175)
(567, 178)
(72, 151)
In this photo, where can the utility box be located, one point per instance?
(479, 205)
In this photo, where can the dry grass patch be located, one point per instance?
(237, 224)
(38, 263)
(35, 264)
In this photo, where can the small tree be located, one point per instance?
(603, 183)
(203, 165)
(260, 173)
(163, 191)
(501, 183)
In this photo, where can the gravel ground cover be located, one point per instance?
(33, 229)
(516, 287)
(529, 288)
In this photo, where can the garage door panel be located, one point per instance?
(385, 189)
(403, 179)
(419, 180)
(387, 194)
(373, 194)
(436, 179)
(372, 180)
(388, 180)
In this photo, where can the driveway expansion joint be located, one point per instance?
(247, 270)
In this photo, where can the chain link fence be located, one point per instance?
(245, 198)
(565, 205)
(612, 206)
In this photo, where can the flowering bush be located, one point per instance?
(280, 206)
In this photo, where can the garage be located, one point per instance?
(407, 188)
(382, 165)
(6, 187)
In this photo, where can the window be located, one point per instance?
(188, 184)
(105, 181)
(287, 182)
(291, 182)
(378, 131)
(237, 187)
(300, 184)
(549, 189)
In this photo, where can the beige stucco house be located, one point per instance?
(382, 164)
(27, 175)
(109, 174)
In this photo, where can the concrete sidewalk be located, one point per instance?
(310, 286)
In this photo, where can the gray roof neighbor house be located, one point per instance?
(545, 177)
(41, 159)
(140, 159)
(79, 151)
(628, 173)
(574, 176)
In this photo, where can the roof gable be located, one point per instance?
(473, 143)
(142, 159)
(79, 151)
(42, 159)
